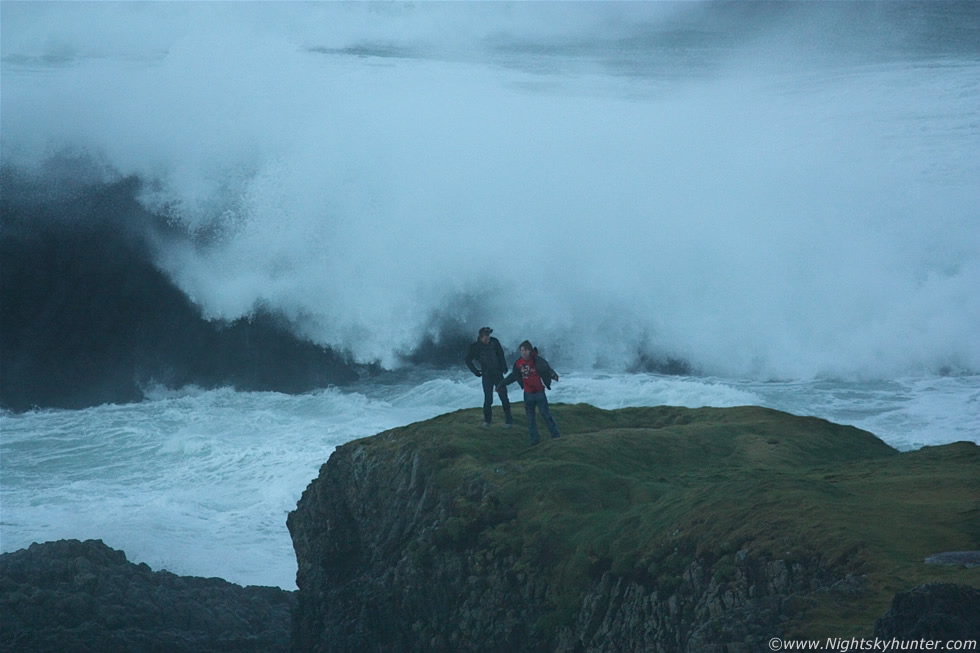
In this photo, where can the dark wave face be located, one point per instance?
(87, 318)
(281, 196)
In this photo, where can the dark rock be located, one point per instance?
(934, 611)
(84, 596)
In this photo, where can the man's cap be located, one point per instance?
(485, 331)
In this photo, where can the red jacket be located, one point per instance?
(534, 375)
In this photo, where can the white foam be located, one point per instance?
(778, 213)
(200, 483)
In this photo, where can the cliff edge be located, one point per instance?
(660, 529)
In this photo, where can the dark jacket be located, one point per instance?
(491, 358)
(540, 364)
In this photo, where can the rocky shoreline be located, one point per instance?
(85, 596)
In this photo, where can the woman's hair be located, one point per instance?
(527, 345)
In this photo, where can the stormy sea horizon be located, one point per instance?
(237, 235)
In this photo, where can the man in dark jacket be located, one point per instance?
(488, 352)
(534, 374)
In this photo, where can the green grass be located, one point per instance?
(644, 491)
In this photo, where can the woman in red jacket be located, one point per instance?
(534, 374)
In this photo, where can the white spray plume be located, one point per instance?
(366, 169)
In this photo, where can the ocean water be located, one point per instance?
(778, 201)
(200, 482)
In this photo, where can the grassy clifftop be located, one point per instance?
(643, 492)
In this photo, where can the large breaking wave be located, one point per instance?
(678, 187)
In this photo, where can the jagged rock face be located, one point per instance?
(376, 574)
(703, 613)
(932, 611)
(367, 576)
(84, 596)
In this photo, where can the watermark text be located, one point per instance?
(843, 645)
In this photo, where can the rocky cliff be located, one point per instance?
(936, 611)
(660, 529)
(72, 596)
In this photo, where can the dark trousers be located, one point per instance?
(539, 401)
(489, 383)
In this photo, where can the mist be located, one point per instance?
(767, 192)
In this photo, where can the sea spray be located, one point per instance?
(756, 194)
